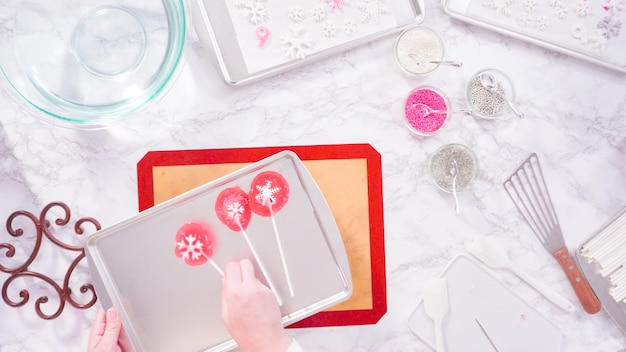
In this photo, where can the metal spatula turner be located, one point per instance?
(528, 190)
(436, 306)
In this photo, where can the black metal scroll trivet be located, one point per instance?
(42, 226)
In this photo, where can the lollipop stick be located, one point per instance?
(282, 254)
(219, 270)
(261, 266)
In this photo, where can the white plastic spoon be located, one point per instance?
(436, 306)
(490, 252)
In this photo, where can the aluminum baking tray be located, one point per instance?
(217, 23)
(588, 30)
(475, 293)
(167, 305)
(600, 283)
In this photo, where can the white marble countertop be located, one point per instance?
(576, 122)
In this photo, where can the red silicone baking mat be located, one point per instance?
(350, 178)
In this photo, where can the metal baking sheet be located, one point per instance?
(474, 293)
(601, 285)
(216, 30)
(166, 305)
(587, 30)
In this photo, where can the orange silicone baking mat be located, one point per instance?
(350, 178)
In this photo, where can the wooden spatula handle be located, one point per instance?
(585, 294)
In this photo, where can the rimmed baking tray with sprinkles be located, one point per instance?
(253, 39)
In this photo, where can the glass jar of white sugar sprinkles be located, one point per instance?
(419, 51)
(453, 168)
(491, 94)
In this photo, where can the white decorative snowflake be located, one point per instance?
(295, 43)
(349, 27)
(530, 6)
(616, 6)
(610, 27)
(560, 11)
(542, 23)
(500, 7)
(267, 193)
(371, 10)
(554, 3)
(234, 210)
(582, 9)
(329, 29)
(598, 41)
(296, 14)
(190, 247)
(318, 13)
(524, 20)
(253, 10)
(336, 4)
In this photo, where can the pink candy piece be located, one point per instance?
(263, 34)
(336, 4)
(414, 114)
(193, 244)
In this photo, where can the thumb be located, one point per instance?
(112, 329)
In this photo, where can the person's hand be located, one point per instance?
(105, 332)
(250, 311)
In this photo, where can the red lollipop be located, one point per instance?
(233, 208)
(193, 245)
(269, 193)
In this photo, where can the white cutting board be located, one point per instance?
(512, 324)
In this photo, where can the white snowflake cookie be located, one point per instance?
(296, 14)
(296, 42)
(500, 7)
(329, 29)
(542, 23)
(524, 20)
(349, 27)
(372, 9)
(253, 10)
(582, 9)
(318, 13)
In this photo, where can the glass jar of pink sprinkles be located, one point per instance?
(425, 110)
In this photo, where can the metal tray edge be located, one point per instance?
(527, 39)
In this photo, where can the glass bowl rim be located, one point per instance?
(101, 116)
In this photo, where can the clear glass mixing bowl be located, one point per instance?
(89, 63)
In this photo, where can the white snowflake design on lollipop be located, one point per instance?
(190, 248)
(266, 195)
(194, 246)
(232, 208)
(269, 193)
